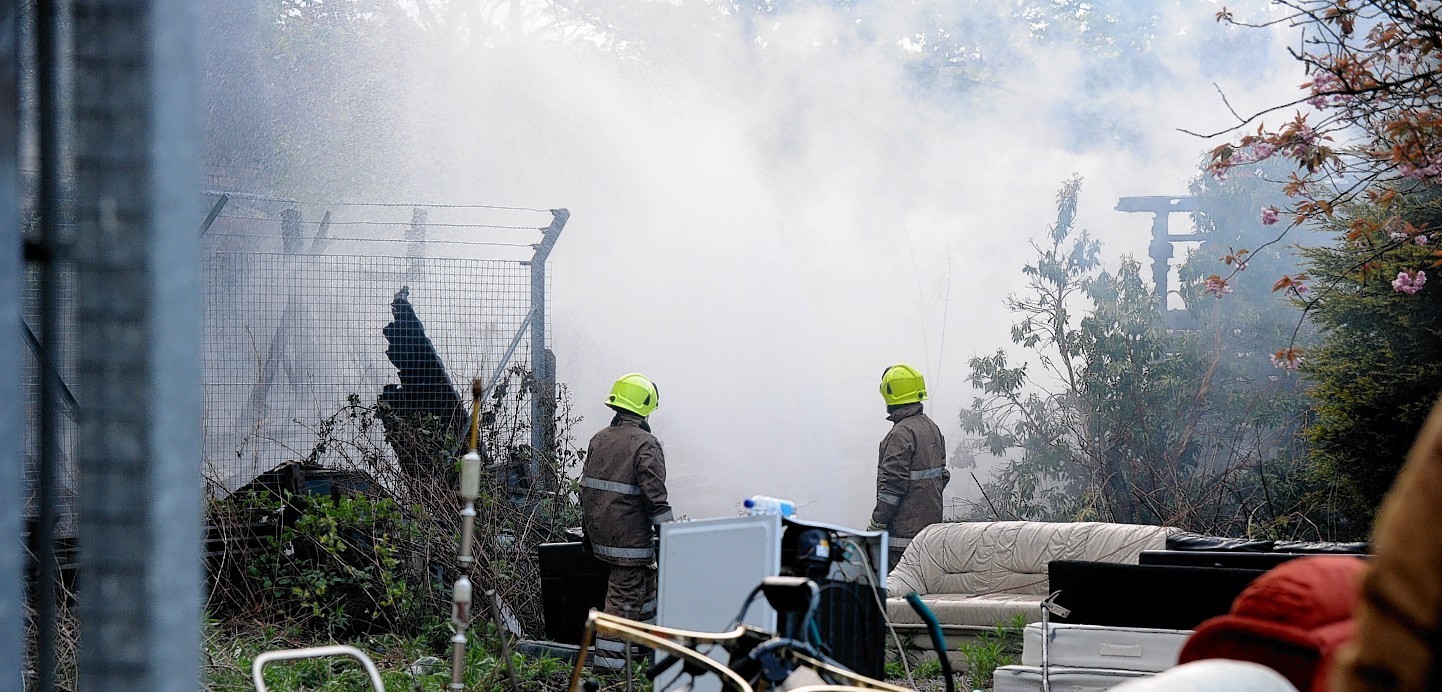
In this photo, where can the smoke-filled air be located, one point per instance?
(770, 202)
(703, 344)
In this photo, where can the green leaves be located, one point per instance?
(1105, 414)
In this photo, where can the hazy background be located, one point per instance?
(770, 203)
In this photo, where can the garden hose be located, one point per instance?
(938, 640)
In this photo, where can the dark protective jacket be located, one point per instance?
(911, 472)
(623, 491)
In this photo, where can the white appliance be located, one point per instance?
(709, 566)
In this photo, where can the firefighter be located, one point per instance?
(623, 501)
(911, 466)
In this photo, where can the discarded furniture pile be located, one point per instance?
(1108, 603)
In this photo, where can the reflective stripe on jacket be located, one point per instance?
(623, 491)
(911, 473)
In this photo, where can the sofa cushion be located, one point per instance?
(1011, 556)
(965, 609)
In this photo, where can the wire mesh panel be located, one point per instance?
(291, 338)
(66, 407)
(33, 327)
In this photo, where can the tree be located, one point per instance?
(1370, 132)
(1367, 136)
(1379, 369)
(1128, 420)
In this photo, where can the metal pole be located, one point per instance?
(415, 245)
(12, 426)
(542, 396)
(461, 595)
(50, 52)
(139, 314)
(215, 210)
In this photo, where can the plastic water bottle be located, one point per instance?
(758, 505)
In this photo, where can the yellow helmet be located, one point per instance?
(634, 393)
(902, 384)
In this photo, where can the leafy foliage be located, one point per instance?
(342, 565)
(1379, 369)
(378, 551)
(992, 649)
(1370, 134)
(405, 662)
(1133, 421)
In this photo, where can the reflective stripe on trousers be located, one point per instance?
(628, 553)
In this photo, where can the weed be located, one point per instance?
(993, 649)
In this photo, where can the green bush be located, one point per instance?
(343, 566)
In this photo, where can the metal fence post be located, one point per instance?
(50, 54)
(416, 245)
(290, 231)
(138, 318)
(12, 417)
(543, 396)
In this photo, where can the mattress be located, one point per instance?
(1063, 679)
(1097, 646)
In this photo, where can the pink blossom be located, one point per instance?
(1430, 169)
(1409, 281)
(1218, 287)
(1241, 266)
(1421, 239)
(1325, 91)
(1300, 287)
(1269, 216)
(1397, 235)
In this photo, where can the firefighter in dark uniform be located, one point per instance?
(911, 466)
(623, 502)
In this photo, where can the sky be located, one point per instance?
(761, 223)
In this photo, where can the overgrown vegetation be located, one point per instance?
(1115, 412)
(992, 649)
(1378, 371)
(406, 663)
(989, 650)
(366, 552)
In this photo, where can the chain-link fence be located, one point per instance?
(290, 338)
(368, 314)
(394, 305)
(33, 326)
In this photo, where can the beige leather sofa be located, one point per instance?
(974, 575)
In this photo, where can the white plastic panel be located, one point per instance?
(708, 567)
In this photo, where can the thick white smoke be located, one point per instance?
(763, 224)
